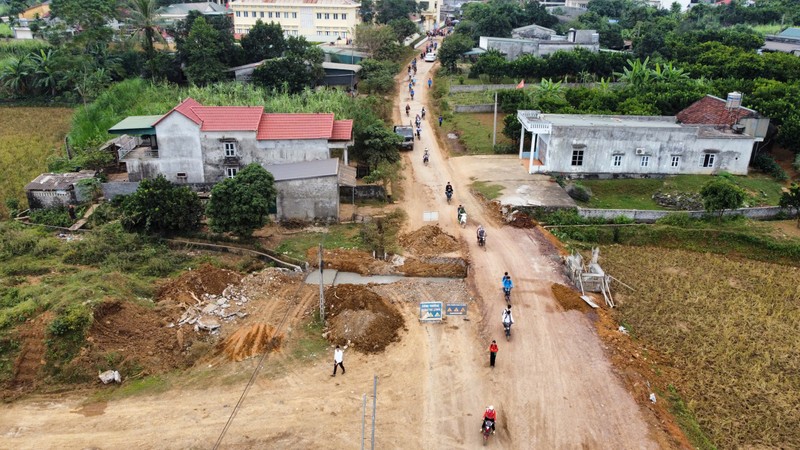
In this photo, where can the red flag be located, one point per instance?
(521, 84)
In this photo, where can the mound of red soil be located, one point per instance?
(191, 285)
(434, 267)
(348, 260)
(138, 335)
(32, 338)
(519, 219)
(569, 298)
(361, 318)
(429, 240)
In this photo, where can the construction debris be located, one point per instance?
(592, 278)
(110, 375)
(209, 309)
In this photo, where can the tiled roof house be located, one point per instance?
(713, 111)
(193, 143)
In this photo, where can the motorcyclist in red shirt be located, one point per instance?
(490, 415)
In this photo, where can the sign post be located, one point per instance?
(430, 312)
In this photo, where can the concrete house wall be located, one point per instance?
(601, 144)
(249, 150)
(308, 199)
(178, 151)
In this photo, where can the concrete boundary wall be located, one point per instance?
(497, 87)
(474, 108)
(649, 216)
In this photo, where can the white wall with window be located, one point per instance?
(230, 148)
(303, 18)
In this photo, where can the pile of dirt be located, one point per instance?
(134, 340)
(519, 219)
(250, 341)
(191, 285)
(569, 298)
(433, 267)
(429, 240)
(361, 318)
(348, 260)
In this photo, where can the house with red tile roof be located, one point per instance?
(714, 111)
(199, 144)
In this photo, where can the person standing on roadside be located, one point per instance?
(440, 120)
(338, 360)
(492, 353)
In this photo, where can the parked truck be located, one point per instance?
(407, 133)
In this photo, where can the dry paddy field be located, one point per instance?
(731, 328)
(28, 137)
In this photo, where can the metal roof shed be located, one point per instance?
(135, 125)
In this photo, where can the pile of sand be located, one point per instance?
(250, 341)
(349, 260)
(361, 318)
(429, 240)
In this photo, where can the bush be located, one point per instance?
(54, 217)
(505, 149)
(677, 219)
(579, 192)
(766, 164)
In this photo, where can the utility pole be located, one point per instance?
(364, 422)
(374, 406)
(494, 133)
(321, 288)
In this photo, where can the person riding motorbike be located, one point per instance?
(423, 112)
(481, 235)
(507, 285)
(448, 191)
(425, 156)
(508, 320)
(408, 110)
(461, 210)
(489, 415)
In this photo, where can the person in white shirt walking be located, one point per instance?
(338, 360)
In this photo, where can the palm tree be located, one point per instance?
(143, 19)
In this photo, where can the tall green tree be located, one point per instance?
(452, 48)
(203, 54)
(403, 28)
(375, 144)
(367, 11)
(159, 206)
(373, 38)
(90, 16)
(45, 72)
(263, 41)
(720, 194)
(241, 204)
(232, 53)
(15, 74)
(388, 10)
(298, 69)
(142, 20)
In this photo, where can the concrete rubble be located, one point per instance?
(211, 311)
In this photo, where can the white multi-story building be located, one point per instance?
(430, 10)
(314, 19)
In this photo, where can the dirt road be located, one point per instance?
(553, 387)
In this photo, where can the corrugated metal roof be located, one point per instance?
(347, 175)
(135, 125)
(339, 66)
(791, 32)
(57, 181)
(229, 118)
(342, 130)
(305, 169)
(295, 126)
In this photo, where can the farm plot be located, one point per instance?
(732, 329)
(28, 137)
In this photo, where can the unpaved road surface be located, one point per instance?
(553, 387)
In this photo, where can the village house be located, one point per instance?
(202, 145)
(540, 41)
(716, 135)
(50, 190)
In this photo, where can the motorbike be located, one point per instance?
(425, 159)
(507, 328)
(462, 219)
(482, 241)
(487, 430)
(507, 293)
(449, 195)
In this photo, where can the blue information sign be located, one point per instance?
(456, 309)
(430, 311)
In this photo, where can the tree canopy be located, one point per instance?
(203, 51)
(720, 194)
(159, 206)
(241, 204)
(263, 41)
(299, 68)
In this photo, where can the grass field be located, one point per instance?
(730, 326)
(488, 190)
(475, 131)
(637, 193)
(28, 136)
(338, 236)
